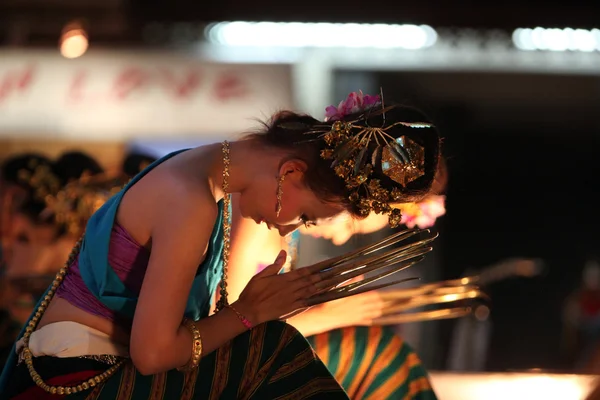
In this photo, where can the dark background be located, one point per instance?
(523, 153)
(122, 22)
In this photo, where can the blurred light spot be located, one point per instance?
(300, 34)
(73, 41)
(554, 39)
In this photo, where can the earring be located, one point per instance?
(279, 194)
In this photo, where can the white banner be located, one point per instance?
(125, 95)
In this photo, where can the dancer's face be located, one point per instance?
(299, 205)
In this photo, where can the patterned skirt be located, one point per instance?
(271, 361)
(373, 363)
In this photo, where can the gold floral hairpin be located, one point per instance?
(356, 149)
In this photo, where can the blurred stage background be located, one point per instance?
(513, 87)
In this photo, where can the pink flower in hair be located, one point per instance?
(355, 102)
(424, 213)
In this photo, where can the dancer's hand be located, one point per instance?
(269, 296)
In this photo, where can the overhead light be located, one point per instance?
(300, 34)
(553, 39)
(73, 41)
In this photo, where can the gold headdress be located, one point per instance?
(357, 149)
(73, 204)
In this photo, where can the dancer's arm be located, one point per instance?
(181, 229)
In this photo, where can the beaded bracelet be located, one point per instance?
(196, 346)
(244, 320)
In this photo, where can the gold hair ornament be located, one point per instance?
(357, 149)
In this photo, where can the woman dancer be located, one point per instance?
(132, 304)
(370, 362)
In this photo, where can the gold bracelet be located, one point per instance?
(196, 346)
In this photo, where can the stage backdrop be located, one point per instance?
(124, 95)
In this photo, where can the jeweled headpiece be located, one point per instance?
(356, 148)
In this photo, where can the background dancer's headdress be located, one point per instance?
(68, 206)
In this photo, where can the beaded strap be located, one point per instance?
(223, 300)
(196, 346)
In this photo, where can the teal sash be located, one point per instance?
(103, 282)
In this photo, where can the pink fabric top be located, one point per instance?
(129, 260)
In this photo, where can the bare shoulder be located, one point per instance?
(166, 197)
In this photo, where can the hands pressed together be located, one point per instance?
(273, 296)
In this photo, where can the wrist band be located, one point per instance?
(244, 320)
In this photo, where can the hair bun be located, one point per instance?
(346, 157)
